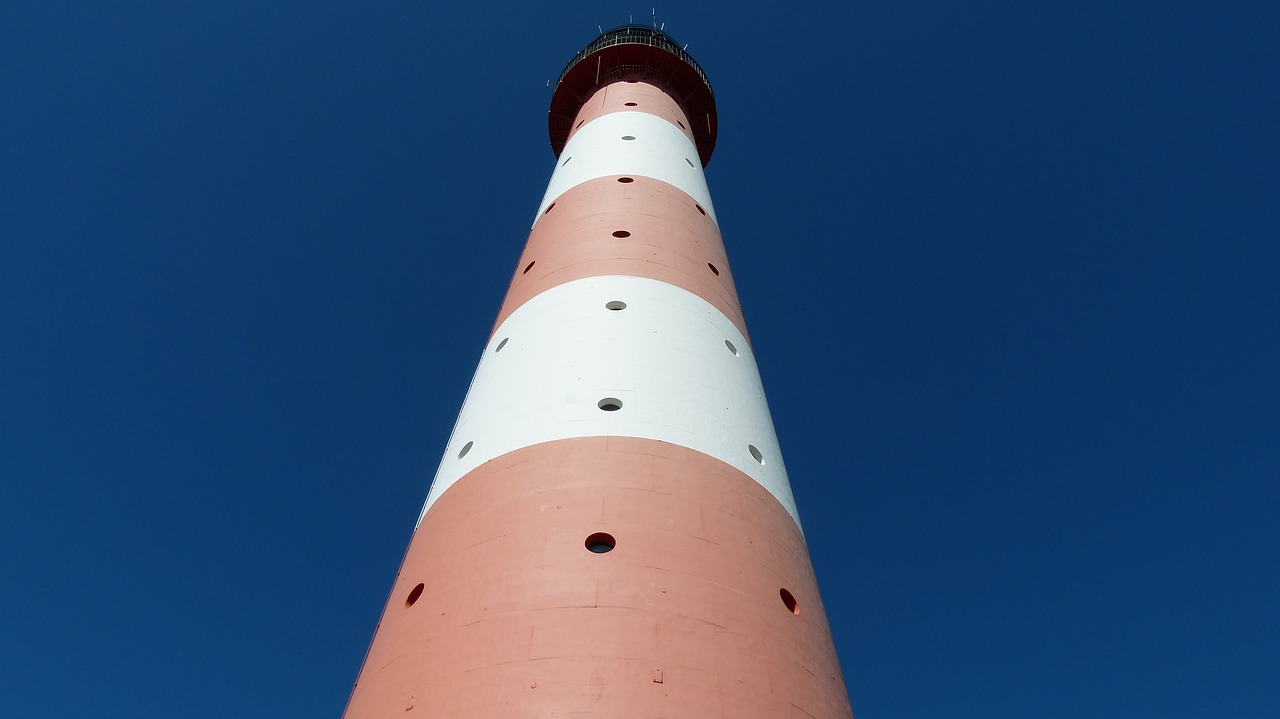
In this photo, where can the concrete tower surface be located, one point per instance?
(611, 532)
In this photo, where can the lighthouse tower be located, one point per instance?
(611, 532)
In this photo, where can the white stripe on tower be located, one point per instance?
(678, 370)
(657, 149)
(611, 531)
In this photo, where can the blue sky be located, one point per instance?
(1010, 272)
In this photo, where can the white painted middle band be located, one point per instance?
(664, 357)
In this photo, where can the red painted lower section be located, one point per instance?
(684, 618)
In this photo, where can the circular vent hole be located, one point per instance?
(625, 180)
(681, 124)
(579, 124)
(727, 343)
(690, 162)
(548, 208)
(755, 453)
(621, 233)
(529, 267)
(700, 209)
(465, 448)
(610, 404)
(714, 271)
(615, 305)
(789, 601)
(600, 543)
(503, 343)
(414, 594)
(628, 137)
(566, 161)
(629, 104)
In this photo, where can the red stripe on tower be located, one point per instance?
(611, 531)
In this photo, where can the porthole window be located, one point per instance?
(615, 305)
(727, 343)
(621, 233)
(610, 404)
(714, 271)
(789, 601)
(628, 137)
(600, 543)
(626, 180)
(755, 453)
(465, 448)
(529, 267)
(414, 595)
(503, 343)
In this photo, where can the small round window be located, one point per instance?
(601, 543)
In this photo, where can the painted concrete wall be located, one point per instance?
(611, 532)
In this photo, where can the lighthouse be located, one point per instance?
(611, 531)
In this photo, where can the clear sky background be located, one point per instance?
(1010, 270)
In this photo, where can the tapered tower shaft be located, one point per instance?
(611, 532)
